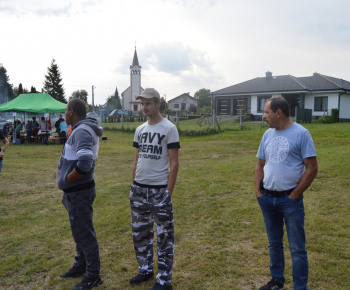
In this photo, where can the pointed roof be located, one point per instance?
(135, 61)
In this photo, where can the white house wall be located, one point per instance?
(344, 112)
(254, 105)
(332, 103)
(126, 99)
(188, 102)
(136, 86)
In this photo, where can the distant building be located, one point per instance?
(318, 92)
(128, 96)
(183, 102)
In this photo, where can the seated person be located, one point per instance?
(44, 125)
(7, 129)
(29, 130)
(34, 122)
(63, 130)
(36, 130)
(18, 130)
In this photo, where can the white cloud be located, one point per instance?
(182, 45)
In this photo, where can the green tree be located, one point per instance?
(117, 99)
(6, 89)
(33, 90)
(113, 102)
(163, 105)
(53, 83)
(20, 90)
(202, 97)
(79, 94)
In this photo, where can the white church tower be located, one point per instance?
(129, 101)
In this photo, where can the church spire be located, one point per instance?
(135, 61)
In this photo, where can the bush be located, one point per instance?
(335, 114)
(325, 120)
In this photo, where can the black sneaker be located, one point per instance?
(141, 278)
(158, 286)
(74, 272)
(88, 283)
(272, 285)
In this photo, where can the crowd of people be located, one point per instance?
(18, 132)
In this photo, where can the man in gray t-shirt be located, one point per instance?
(153, 180)
(286, 167)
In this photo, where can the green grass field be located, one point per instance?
(219, 233)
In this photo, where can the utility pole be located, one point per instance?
(92, 104)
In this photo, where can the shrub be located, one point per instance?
(335, 114)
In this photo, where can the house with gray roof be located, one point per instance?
(184, 102)
(318, 92)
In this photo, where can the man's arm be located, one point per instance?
(84, 151)
(259, 175)
(73, 176)
(6, 144)
(135, 165)
(174, 168)
(310, 173)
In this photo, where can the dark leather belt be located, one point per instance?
(279, 193)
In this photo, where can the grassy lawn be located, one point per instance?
(219, 233)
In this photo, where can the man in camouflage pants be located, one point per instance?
(157, 145)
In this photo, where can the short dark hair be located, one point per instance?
(78, 107)
(279, 102)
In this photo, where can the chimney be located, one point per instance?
(268, 75)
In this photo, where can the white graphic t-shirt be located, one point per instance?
(153, 142)
(283, 152)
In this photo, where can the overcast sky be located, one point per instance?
(182, 45)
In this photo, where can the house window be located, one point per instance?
(321, 104)
(176, 106)
(261, 103)
(136, 108)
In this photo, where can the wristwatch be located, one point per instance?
(3, 150)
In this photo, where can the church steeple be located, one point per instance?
(135, 61)
(135, 82)
(129, 101)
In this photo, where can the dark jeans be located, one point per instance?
(278, 211)
(80, 212)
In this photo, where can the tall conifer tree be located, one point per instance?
(6, 89)
(53, 83)
(118, 104)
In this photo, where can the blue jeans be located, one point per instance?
(277, 211)
(0, 165)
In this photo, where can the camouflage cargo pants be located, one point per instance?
(149, 205)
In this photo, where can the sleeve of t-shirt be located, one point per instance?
(173, 140)
(136, 141)
(307, 145)
(261, 150)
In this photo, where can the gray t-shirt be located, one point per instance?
(153, 142)
(283, 152)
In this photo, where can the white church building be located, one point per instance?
(128, 96)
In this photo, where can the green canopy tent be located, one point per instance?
(34, 103)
